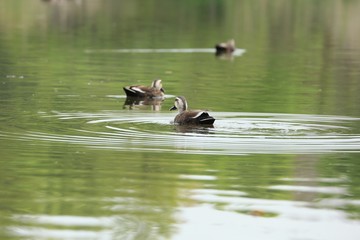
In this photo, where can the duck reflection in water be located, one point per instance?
(225, 50)
(194, 129)
(139, 95)
(143, 103)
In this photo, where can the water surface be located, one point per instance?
(81, 161)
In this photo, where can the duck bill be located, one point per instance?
(173, 108)
(162, 90)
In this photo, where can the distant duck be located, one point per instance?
(227, 47)
(190, 117)
(139, 91)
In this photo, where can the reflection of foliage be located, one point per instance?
(345, 166)
(353, 211)
(273, 38)
(252, 174)
(79, 183)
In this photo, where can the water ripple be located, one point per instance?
(233, 133)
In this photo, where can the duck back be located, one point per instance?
(194, 117)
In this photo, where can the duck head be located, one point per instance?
(180, 104)
(157, 85)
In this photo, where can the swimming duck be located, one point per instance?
(139, 91)
(226, 47)
(190, 117)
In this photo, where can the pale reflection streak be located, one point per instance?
(109, 227)
(236, 53)
(313, 189)
(203, 221)
(45, 233)
(265, 218)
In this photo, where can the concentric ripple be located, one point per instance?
(232, 134)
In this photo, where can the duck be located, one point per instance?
(225, 47)
(139, 91)
(190, 117)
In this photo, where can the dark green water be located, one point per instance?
(282, 161)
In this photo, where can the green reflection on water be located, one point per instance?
(289, 51)
(301, 57)
(68, 180)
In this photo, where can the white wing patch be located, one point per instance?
(136, 89)
(199, 114)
